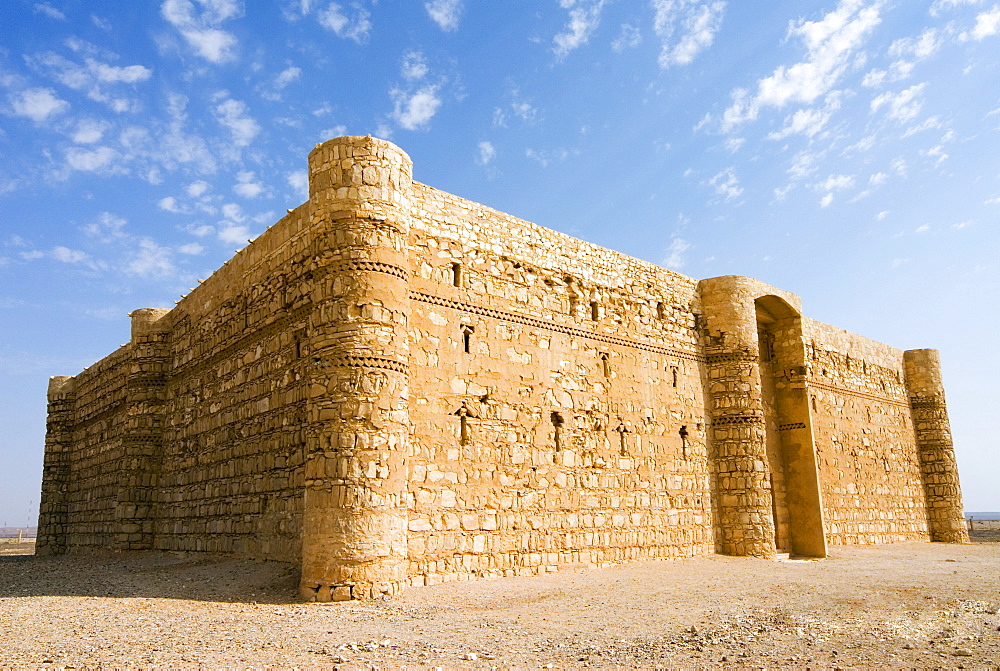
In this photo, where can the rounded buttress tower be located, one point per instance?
(354, 542)
(945, 514)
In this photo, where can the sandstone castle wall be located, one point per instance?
(395, 386)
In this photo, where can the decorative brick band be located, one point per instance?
(534, 322)
(370, 267)
(367, 362)
(859, 394)
(737, 419)
(918, 403)
(731, 357)
(793, 425)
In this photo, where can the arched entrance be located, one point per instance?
(795, 494)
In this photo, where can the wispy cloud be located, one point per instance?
(414, 66)
(685, 28)
(49, 11)
(247, 185)
(349, 25)
(628, 38)
(37, 104)
(486, 153)
(414, 110)
(233, 115)
(726, 184)
(200, 29)
(675, 253)
(93, 76)
(903, 106)
(445, 13)
(584, 17)
(831, 44)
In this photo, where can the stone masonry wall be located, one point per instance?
(869, 466)
(556, 401)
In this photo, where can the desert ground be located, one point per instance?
(911, 605)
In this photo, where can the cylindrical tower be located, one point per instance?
(55, 475)
(745, 525)
(945, 513)
(355, 519)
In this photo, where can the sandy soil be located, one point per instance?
(912, 605)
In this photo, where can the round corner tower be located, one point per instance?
(354, 540)
(945, 514)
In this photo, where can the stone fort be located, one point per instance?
(395, 386)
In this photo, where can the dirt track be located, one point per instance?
(902, 606)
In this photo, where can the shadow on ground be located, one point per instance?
(149, 575)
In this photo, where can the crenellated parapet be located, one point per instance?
(355, 519)
(945, 515)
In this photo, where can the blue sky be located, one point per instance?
(845, 151)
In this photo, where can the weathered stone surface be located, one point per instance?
(394, 386)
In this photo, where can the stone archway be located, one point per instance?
(795, 494)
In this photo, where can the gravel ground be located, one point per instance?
(912, 605)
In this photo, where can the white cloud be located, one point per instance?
(299, 181)
(201, 30)
(150, 260)
(486, 153)
(987, 25)
(92, 76)
(232, 114)
(675, 253)
(246, 186)
(808, 122)
(544, 158)
(836, 183)
(107, 228)
(628, 38)
(67, 255)
(413, 111)
(49, 11)
(940, 5)
(169, 204)
(698, 23)
(89, 131)
(992, 201)
(923, 228)
(803, 165)
(335, 131)
(445, 13)
(878, 179)
(903, 106)
(191, 249)
(826, 200)
(414, 66)
(896, 263)
(287, 76)
(197, 189)
(726, 184)
(882, 215)
(354, 28)
(584, 17)
(94, 160)
(38, 104)
(830, 44)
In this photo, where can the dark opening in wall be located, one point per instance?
(606, 364)
(661, 310)
(467, 332)
(456, 274)
(683, 433)
(673, 376)
(595, 311)
(557, 423)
